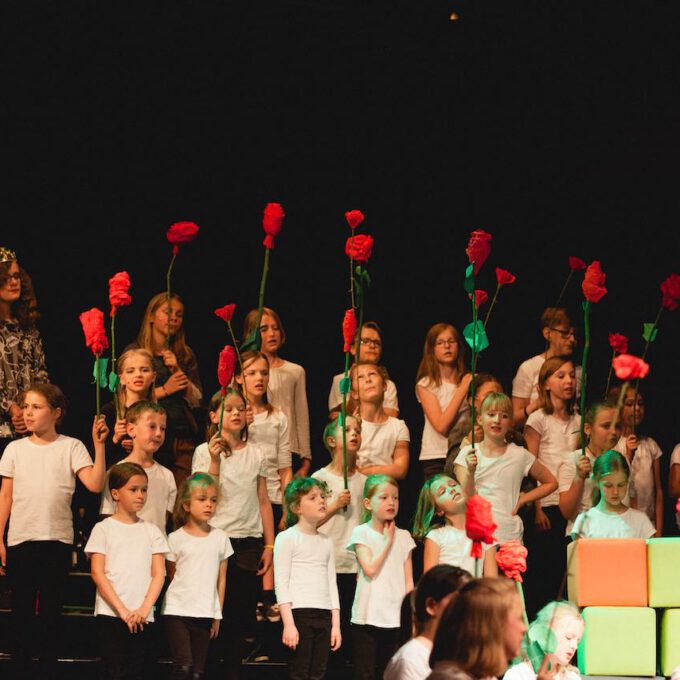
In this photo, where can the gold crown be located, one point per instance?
(7, 255)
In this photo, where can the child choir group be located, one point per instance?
(323, 551)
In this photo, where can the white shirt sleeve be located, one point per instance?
(172, 491)
(332, 580)
(283, 560)
(97, 541)
(201, 459)
(80, 457)
(284, 455)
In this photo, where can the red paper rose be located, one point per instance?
(593, 282)
(627, 367)
(576, 263)
(618, 342)
(481, 297)
(504, 277)
(181, 232)
(359, 247)
(479, 524)
(271, 222)
(226, 313)
(478, 248)
(93, 327)
(119, 284)
(354, 218)
(677, 506)
(349, 329)
(512, 559)
(670, 290)
(225, 367)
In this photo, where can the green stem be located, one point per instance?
(644, 354)
(167, 287)
(343, 415)
(219, 432)
(473, 365)
(520, 590)
(260, 297)
(351, 271)
(493, 302)
(584, 372)
(238, 356)
(113, 364)
(96, 380)
(609, 377)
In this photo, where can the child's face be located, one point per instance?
(159, 319)
(568, 631)
(628, 403)
(234, 419)
(448, 497)
(256, 377)
(148, 433)
(312, 505)
(132, 497)
(602, 436)
(202, 504)
(495, 423)
(39, 416)
(369, 384)
(352, 436)
(137, 374)
(562, 383)
(271, 334)
(613, 488)
(514, 629)
(446, 347)
(371, 345)
(384, 503)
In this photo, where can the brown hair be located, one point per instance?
(121, 473)
(606, 463)
(25, 309)
(251, 319)
(428, 367)
(248, 358)
(214, 407)
(381, 370)
(53, 396)
(553, 315)
(134, 413)
(199, 480)
(548, 369)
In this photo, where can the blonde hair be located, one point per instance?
(548, 369)
(199, 480)
(120, 394)
(497, 401)
(373, 482)
(248, 358)
(251, 319)
(429, 368)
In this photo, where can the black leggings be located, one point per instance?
(310, 658)
(125, 655)
(373, 648)
(188, 639)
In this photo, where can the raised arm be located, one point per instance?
(94, 476)
(397, 469)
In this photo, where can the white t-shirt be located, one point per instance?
(304, 570)
(558, 439)
(193, 590)
(269, 431)
(160, 499)
(525, 382)
(339, 527)
(377, 601)
(595, 523)
(287, 390)
(335, 398)
(378, 441)
(44, 478)
(411, 661)
(435, 445)
(128, 551)
(499, 481)
(238, 507)
(675, 460)
(525, 671)
(642, 485)
(454, 547)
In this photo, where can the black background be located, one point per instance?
(552, 125)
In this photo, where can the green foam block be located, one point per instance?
(670, 641)
(618, 641)
(663, 566)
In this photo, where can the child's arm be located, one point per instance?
(370, 565)
(336, 635)
(490, 567)
(570, 499)
(94, 476)
(6, 495)
(221, 589)
(442, 419)
(430, 555)
(170, 568)
(658, 498)
(532, 440)
(397, 469)
(106, 590)
(283, 559)
(540, 473)
(408, 573)
(267, 526)
(141, 614)
(290, 636)
(465, 474)
(342, 501)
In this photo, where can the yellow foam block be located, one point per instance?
(670, 641)
(663, 563)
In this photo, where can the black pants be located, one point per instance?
(347, 584)
(125, 655)
(189, 640)
(37, 572)
(373, 648)
(432, 467)
(310, 658)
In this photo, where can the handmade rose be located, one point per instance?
(481, 298)
(93, 328)
(119, 285)
(479, 524)
(512, 559)
(576, 263)
(504, 277)
(226, 313)
(349, 329)
(618, 342)
(593, 283)
(360, 247)
(670, 291)
(629, 367)
(180, 233)
(272, 221)
(478, 248)
(225, 367)
(354, 218)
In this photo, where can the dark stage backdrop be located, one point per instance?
(553, 126)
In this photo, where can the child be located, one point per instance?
(440, 521)
(495, 469)
(384, 439)
(146, 427)
(575, 483)
(385, 575)
(441, 387)
(306, 589)
(435, 589)
(287, 385)
(343, 511)
(674, 479)
(610, 517)
(644, 458)
(197, 570)
(38, 480)
(128, 569)
(562, 623)
(243, 512)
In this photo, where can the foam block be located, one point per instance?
(618, 641)
(670, 641)
(663, 561)
(607, 572)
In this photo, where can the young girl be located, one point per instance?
(495, 469)
(38, 480)
(177, 385)
(385, 575)
(243, 512)
(435, 589)
(287, 385)
(610, 517)
(306, 589)
(128, 569)
(440, 521)
(384, 439)
(564, 621)
(674, 479)
(575, 483)
(441, 388)
(197, 570)
(644, 457)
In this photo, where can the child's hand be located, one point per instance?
(136, 620)
(214, 629)
(177, 382)
(169, 359)
(290, 636)
(17, 415)
(100, 431)
(520, 503)
(127, 444)
(217, 446)
(465, 381)
(541, 520)
(583, 467)
(344, 498)
(265, 561)
(119, 430)
(3, 557)
(389, 530)
(631, 445)
(336, 638)
(547, 669)
(250, 416)
(471, 460)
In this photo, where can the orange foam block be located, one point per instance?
(607, 572)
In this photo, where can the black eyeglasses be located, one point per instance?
(16, 276)
(371, 342)
(571, 333)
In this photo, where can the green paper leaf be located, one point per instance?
(113, 381)
(469, 284)
(345, 384)
(481, 342)
(103, 370)
(253, 341)
(649, 333)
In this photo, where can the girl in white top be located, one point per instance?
(385, 575)
(610, 517)
(306, 590)
(384, 439)
(128, 568)
(495, 469)
(38, 480)
(441, 389)
(197, 570)
(440, 521)
(674, 478)
(644, 457)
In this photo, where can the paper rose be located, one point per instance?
(360, 247)
(93, 327)
(479, 524)
(481, 298)
(576, 263)
(504, 277)
(618, 342)
(272, 222)
(627, 367)
(349, 329)
(478, 248)
(119, 285)
(226, 313)
(511, 558)
(670, 291)
(593, 283)
(354, 218)
(225, 367)
(180, 233)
